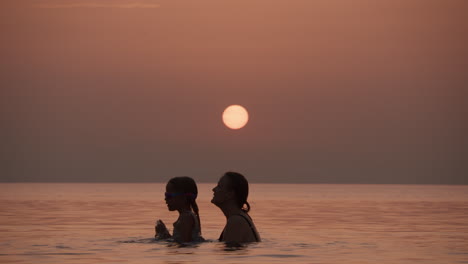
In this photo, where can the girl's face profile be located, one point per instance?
(174, 198)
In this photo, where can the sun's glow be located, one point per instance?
(235, 116)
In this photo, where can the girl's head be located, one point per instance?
(232, 185)
(181, 193)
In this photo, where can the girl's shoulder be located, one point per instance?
(187, 216)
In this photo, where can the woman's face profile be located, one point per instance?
(220, 191)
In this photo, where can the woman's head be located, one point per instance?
(181, 192)
(232, 185)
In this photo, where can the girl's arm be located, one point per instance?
(161, 230)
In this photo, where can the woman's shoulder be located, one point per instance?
(240, 228)
(239, 220)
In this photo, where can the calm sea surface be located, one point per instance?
(300, 223)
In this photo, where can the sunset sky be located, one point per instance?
(338, 91)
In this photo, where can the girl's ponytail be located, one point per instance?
(194, 206)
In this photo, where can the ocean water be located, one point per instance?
(299, 223)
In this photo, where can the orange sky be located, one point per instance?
(338, 91)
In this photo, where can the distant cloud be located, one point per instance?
(97, 4)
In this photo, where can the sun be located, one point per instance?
(235, 116)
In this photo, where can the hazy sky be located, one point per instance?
(337, 90)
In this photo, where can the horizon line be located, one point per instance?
(253, 182)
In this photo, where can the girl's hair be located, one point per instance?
(188, 186)
(239, 184)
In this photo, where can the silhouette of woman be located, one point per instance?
(230, 195)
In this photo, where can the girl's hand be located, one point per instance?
(161, 230)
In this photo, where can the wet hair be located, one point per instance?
(188, 186)
(239, 184)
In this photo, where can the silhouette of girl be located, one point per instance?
(181, 194)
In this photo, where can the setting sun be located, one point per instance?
(235, 116)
